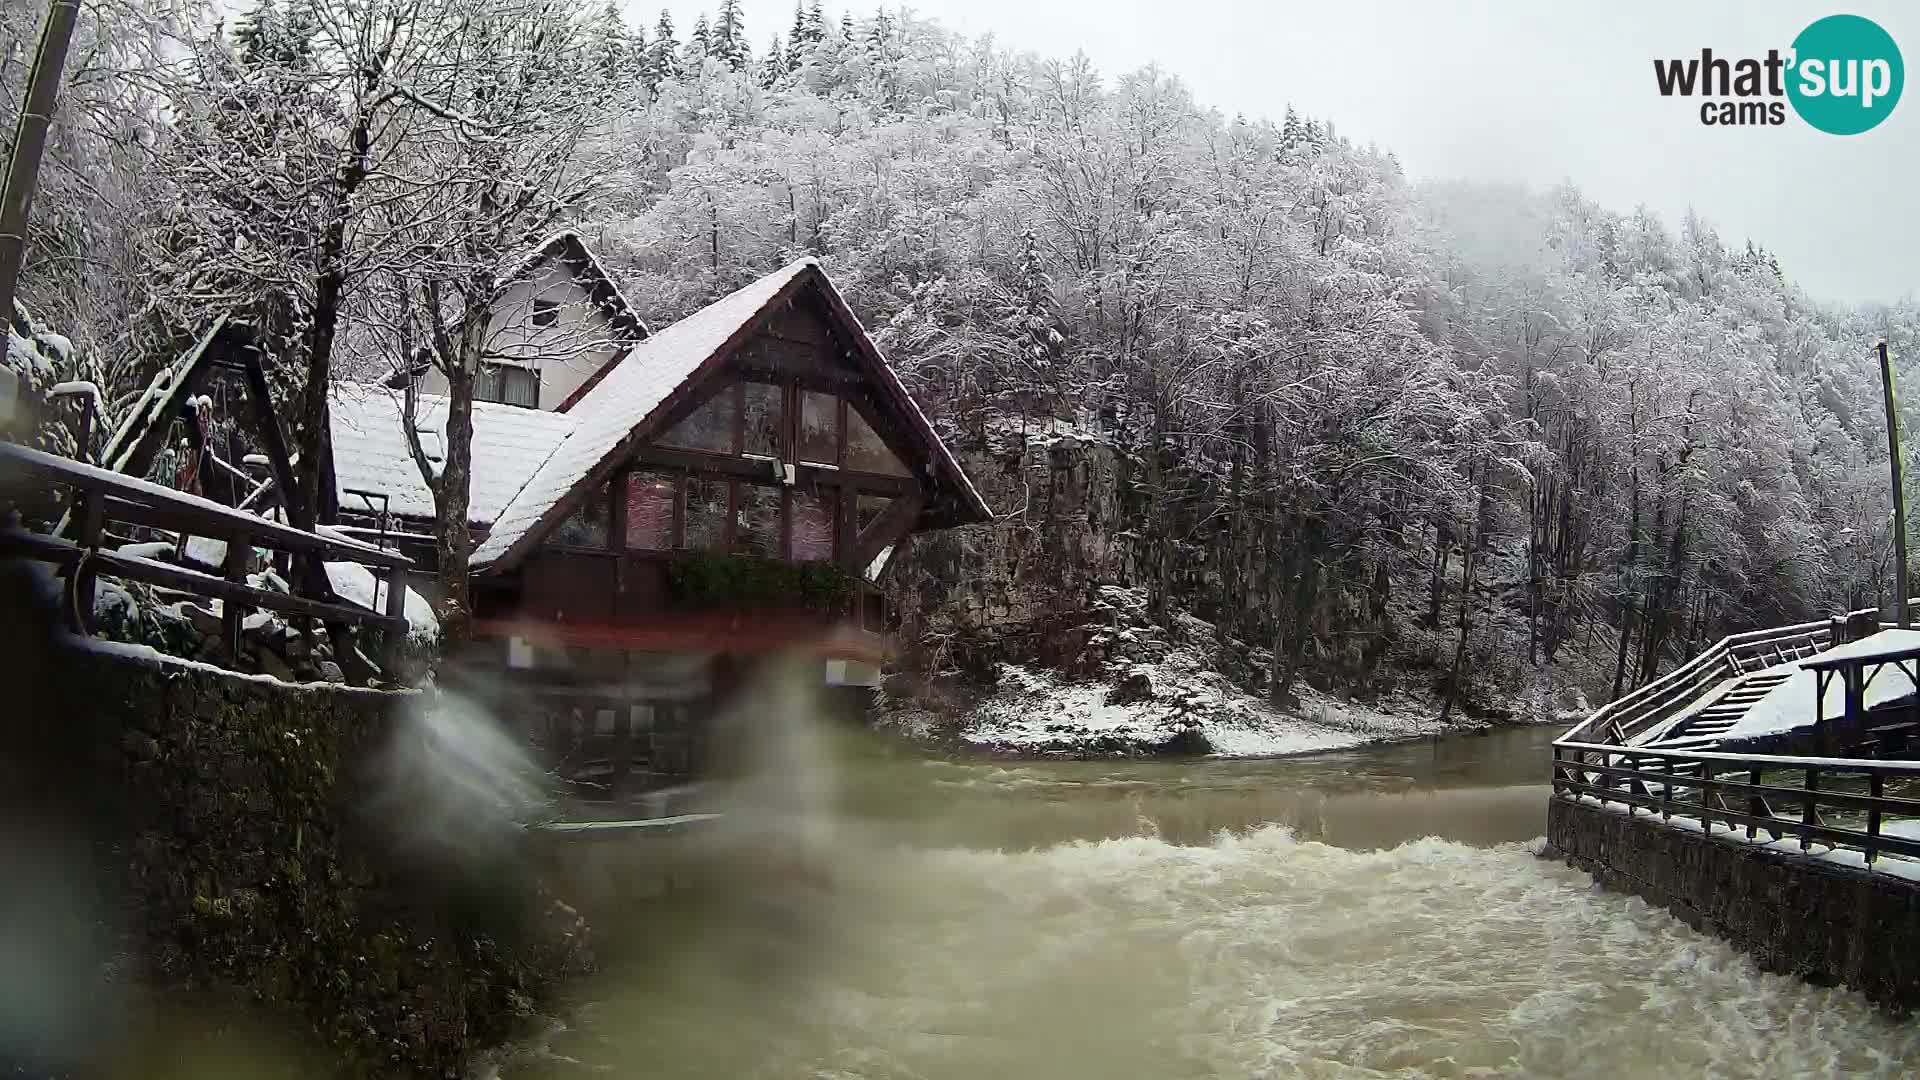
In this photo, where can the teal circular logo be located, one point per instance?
(1846, 76)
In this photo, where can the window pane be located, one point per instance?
(587, 525)
(709, 428)
(867, 510)
(756, 530)
(763, 419)
(812, 527)
(486, 383)
(520, 386)
(650, 497)
(706, 512)
(819, 428)
(866, 451)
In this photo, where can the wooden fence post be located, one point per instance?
(1809, 813)
(1876, 788)
(233, 613)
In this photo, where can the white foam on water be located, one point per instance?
(1262, 955)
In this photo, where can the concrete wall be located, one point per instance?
(241, 837)
(1825, 923)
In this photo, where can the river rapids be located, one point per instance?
(1370, 913)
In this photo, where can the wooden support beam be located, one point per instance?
(889, 528)
(661, 457)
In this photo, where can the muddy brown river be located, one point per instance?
(1378, 912)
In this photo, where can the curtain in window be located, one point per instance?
(812, 527)
(650, 498)
(819, 428)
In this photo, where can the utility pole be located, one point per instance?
(1899, 492)
(29, 142)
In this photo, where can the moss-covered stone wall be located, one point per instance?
(249, 863)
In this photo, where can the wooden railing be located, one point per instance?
(1841, 802)
(102, 495)
(1619, 721)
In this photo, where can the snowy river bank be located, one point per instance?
(1378, 911)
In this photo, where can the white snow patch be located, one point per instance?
(150, 655)
(357, 585)
(1037, 711)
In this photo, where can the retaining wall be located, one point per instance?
(235, 852)
(1827, 923)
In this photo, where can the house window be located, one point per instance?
(756, 527)
(868, 510)
(710, 427)
(507, 384)
(650, 499)
(546, 312)
(867, 451)
(706, 524)
(587, 525)
(763, 416)
(819, 428)
(812, 527)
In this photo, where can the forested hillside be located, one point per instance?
(1369, 431)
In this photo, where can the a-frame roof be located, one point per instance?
(634, 393)
(567, 248)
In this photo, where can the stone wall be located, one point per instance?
(243, 858)
(967, 597)
(1825, 923)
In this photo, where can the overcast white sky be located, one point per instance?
(1528, 92)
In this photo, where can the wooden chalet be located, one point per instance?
(737, 482)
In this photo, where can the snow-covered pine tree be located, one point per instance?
(699, 45)
(727, 42)
(663, 55)
(797, 33)
(618, 52)
(773, 66)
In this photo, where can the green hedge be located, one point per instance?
(710, 580)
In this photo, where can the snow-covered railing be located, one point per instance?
(102, 495)
(1841, 803)
(1619, 721)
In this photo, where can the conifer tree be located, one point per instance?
(797, 34)
(774, 67)
(846, 26)
(728, 41)
(816, 29)
(663, 56)
(618, 50)
(699, 43)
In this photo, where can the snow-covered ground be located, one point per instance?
(1038, 712)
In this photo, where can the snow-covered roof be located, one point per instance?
(1790, 705)
(625, 398)
(370, 449)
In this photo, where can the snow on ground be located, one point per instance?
(1039, 712)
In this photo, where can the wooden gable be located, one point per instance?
(768, 355)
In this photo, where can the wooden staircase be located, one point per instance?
(1705, 727)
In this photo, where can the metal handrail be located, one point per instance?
(1689, 783)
